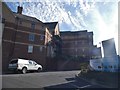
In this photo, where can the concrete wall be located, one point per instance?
(107, 64)
(110, 64)
(95, 64)
(109, 48)
(119, 28)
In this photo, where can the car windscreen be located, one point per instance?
(13, 61)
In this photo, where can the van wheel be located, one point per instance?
(24, 70)
(39, 70)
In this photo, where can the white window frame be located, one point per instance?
(30, 48)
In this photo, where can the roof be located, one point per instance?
(27, 17)
(108, 41)
(73, 32)
(51, 25)
(4, 4)
(85, 32)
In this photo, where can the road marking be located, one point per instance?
(86, 86)
(75, 85)
(80, 87)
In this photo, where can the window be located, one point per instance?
(30, 62)
(83, 50)
(34, 63)
(20, 22)
(105, 67)
(3, 20)
(76, 50)
(115, 67)
(41, 48)
(90, 36)
(14, 62)
(76, 55)
(33, 25)
(75, 42)
(99, 67)
(83, 55)
(41, 37)
(31, 37)
(110, 66)
(30, 48)
(90, 43)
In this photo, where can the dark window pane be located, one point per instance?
(31, 37)
(33, 25)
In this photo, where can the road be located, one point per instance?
(59, 79)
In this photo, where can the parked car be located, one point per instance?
(24, 65)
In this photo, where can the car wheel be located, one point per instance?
(39, 70)
(24, 70)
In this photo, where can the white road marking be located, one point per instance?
(86, 86)
(80, 87)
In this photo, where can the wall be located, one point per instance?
(57, 64)
(77, 44)
(68, 65)
(95, 63)
(110, 64)
(109, 48)
(15, 39)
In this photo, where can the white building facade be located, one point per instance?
(110, 61)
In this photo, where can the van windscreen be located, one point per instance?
(14, 61)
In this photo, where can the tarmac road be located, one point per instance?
(46, 80)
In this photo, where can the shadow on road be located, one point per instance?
(73, 84)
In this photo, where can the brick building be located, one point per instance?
(25, 37)
(77, 44)
(54, 37)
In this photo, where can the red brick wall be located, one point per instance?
(15, 45)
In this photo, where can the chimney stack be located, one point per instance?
(19, 10)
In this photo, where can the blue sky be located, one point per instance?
(101, 17)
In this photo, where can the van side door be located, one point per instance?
(31, 65)
(35, 65)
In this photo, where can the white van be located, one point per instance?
(24, 65)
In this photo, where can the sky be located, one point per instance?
(98, 16)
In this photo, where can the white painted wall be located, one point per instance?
(94, 63)
(119, 28)
(108, 64)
